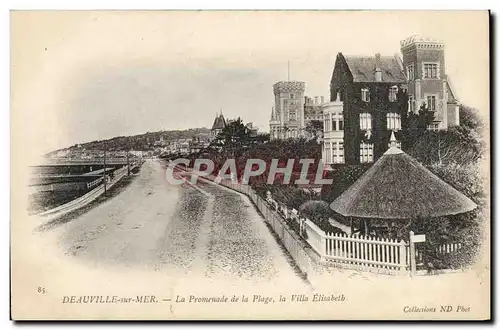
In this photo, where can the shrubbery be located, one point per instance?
(343, 178)
(465, 178)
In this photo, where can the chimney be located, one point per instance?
(378, 71)
(322, 99)
(315, 100)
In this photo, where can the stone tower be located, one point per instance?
(424, 65)
(287, 117)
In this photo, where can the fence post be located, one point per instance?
(413, 262)
(402, 257)
(323, 246)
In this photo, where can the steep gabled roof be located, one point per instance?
(399, 187)
(363, 68)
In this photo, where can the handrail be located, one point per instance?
(84, 199)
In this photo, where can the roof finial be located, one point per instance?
(393, 137)
(393, 146)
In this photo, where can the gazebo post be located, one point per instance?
(352, 225)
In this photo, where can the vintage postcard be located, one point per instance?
(250, 165)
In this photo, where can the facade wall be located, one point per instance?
(378, 107)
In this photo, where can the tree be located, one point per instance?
(237, 135)
(470, 118)
(414, 126)
(315, 128)
(458, 144)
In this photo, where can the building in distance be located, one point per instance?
(218, 125)
(292, 110)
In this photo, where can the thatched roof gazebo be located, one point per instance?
(397, 187)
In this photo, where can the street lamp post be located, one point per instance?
(104, 169)
(128, 161)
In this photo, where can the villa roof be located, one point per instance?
(363, 68)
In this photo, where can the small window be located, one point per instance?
(366, 152)
(328, 150)
(340, 96)
(411, 104)
(431, 102)
(334, 152)
(410, 72)
(341, 152)
(327, 124)
(393, 92)
(430, 71)
(337, 152)
(365, 121)
(337, 122)
(394, 121)
(433, 127)
(365, 95)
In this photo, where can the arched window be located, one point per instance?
(393, 93)
(394, 121)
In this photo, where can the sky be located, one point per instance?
(89, 75)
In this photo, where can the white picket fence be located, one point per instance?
(367, 253)
(448, 248)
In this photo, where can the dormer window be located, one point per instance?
(393, 92)
(365, 95)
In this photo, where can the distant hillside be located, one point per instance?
(140, 142)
